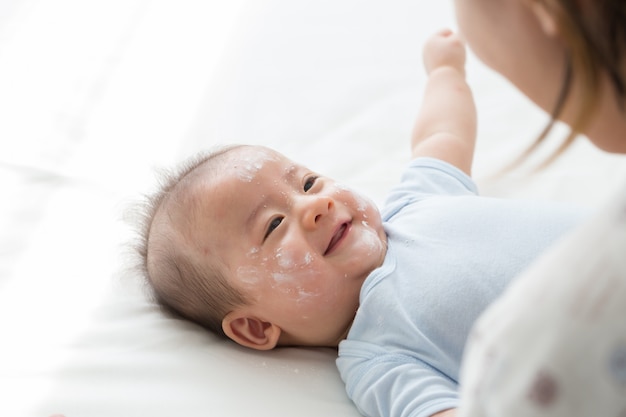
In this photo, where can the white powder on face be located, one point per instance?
(289, 172)
(371, 239)
(284, 259)
(247, 172)
(295, 273)
(306, 296)
(286, 285)
(308, 258)
(280, 278)
(294, 276)
(290, 274)
(362, 202)
(248, 275)
(289, 260)
(247, 167)
(253, 252)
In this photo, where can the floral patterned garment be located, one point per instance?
(555, 343)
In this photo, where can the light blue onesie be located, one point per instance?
(450, 254)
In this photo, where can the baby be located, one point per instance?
(262, 250)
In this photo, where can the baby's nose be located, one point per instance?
(314, 208)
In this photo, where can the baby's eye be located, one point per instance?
(309, 183)
(276, 221)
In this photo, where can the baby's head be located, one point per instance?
(251, 245)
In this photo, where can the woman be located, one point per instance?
(555, 343)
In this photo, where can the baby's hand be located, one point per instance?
(444, 48)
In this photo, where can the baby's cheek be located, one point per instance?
(289, 260)
(249, 277)
(299, 285)
(312, 303)
(295, 275)
(357, 201)
(371, 240)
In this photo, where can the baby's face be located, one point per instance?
(298, 244)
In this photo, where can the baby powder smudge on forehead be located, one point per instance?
(248, 169)
(249, 166)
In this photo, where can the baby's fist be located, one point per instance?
(444, 48)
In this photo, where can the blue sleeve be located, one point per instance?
(427, 177)
(392, 385)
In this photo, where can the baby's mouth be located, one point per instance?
(337, 237)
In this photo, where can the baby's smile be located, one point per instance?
(342, 231)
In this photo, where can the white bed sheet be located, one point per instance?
(95, 95)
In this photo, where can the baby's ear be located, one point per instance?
(251, 331)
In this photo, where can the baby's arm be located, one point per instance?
(446, 123)
(448, 413)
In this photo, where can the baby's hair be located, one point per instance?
(180, 282)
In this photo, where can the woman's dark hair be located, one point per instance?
(594, 35)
